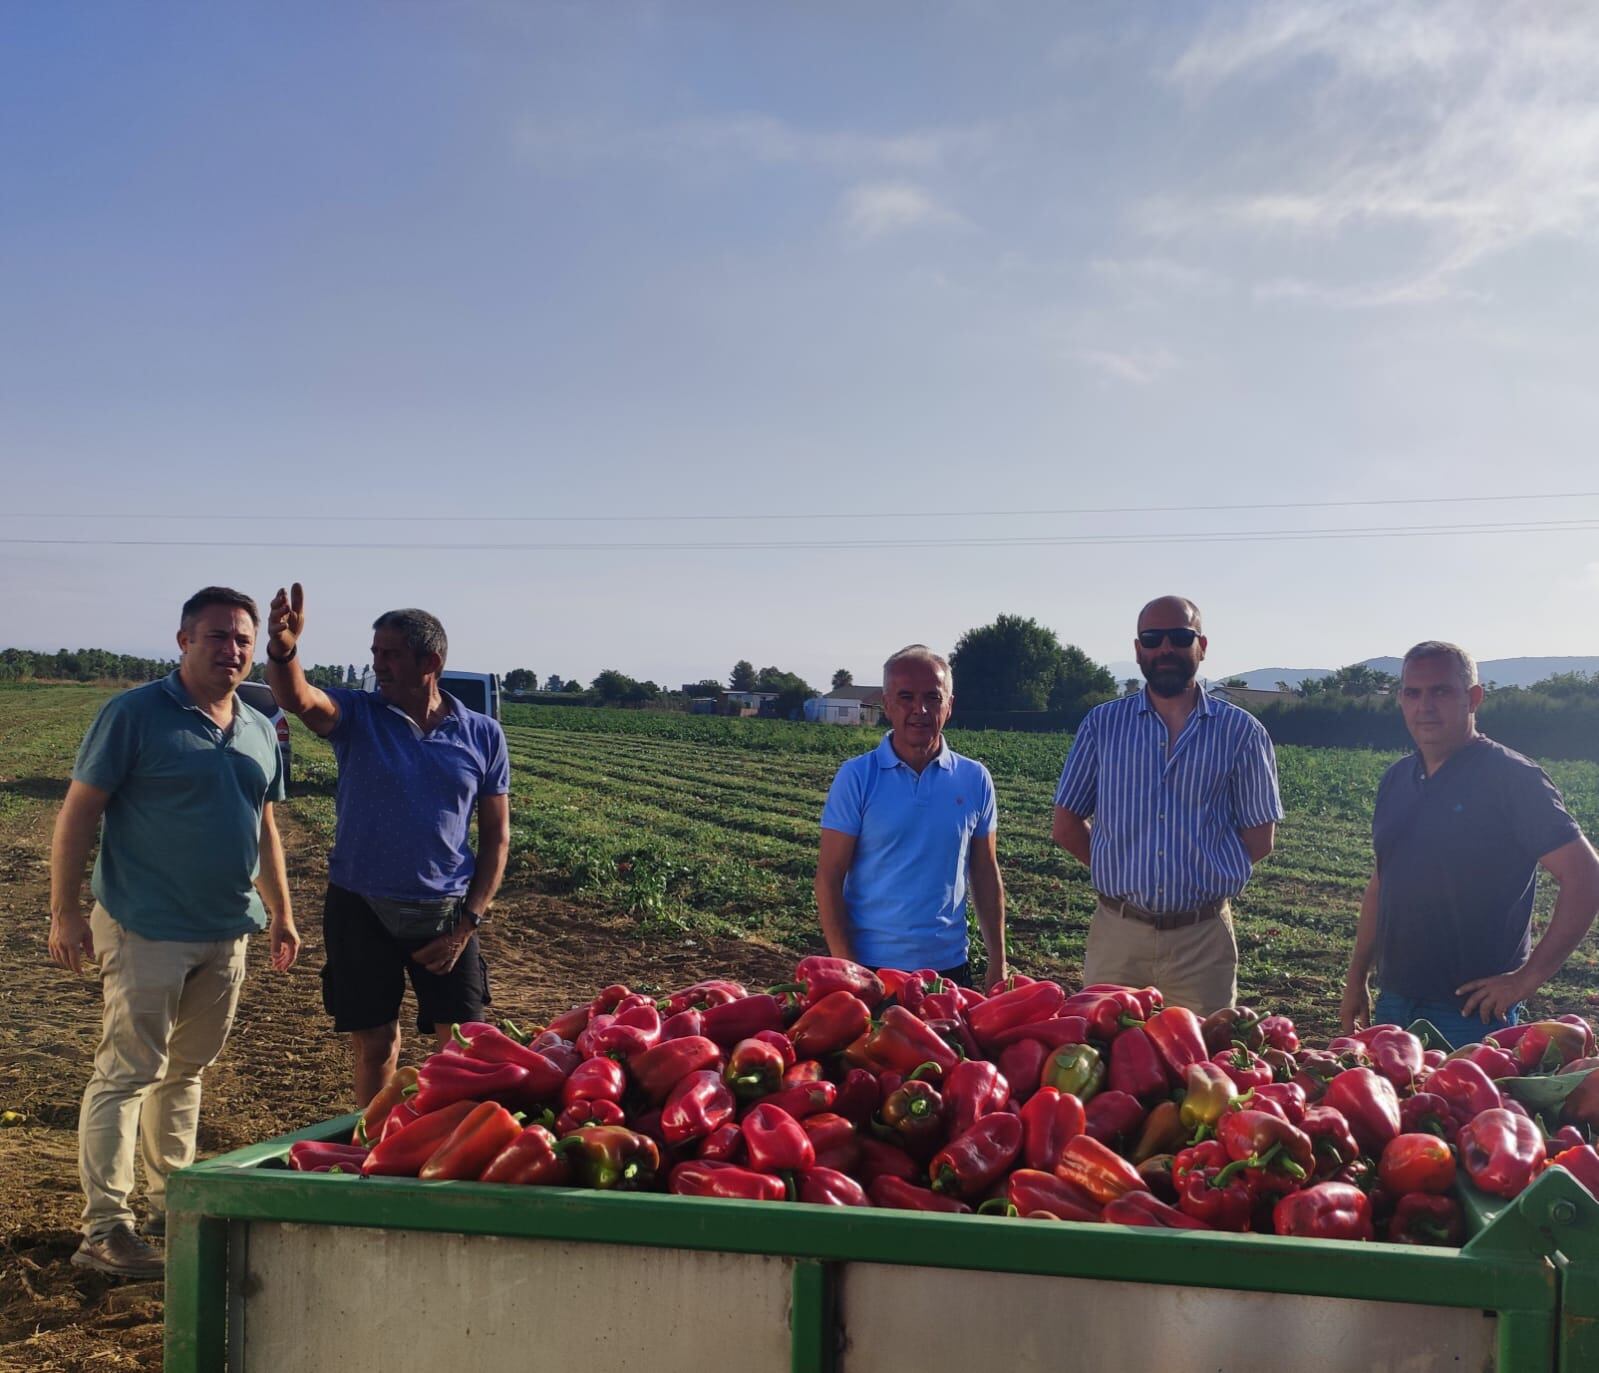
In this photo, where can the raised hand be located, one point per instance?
(285, 622)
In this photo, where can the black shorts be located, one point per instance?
(363, 981)
(961, 976)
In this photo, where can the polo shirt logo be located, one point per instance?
(960, 800)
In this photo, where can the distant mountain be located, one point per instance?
(1505, 672)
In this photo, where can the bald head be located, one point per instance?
(1171, 612)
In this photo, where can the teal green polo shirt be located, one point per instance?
(180, 845)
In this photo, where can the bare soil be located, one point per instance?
(283, 1068)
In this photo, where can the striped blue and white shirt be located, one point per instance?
(1165, 832)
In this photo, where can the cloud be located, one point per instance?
(888, 207)
(1464, 127)
(1136, 367)
(747, 138)
(1160, 272)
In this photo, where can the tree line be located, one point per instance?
(102, 665)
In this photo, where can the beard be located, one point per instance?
(1167, 676)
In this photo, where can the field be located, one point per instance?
(648, 847)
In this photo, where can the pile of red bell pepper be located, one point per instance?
(852, 1087)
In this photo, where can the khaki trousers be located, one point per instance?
(1196, 966)
(168, 1007)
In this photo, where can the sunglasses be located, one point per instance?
(1181, 638)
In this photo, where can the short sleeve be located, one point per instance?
(844, 801)
(497, 781)
(110, 749)
(1078, 791)
(348, 703)
(1538, 817)
(277, 789)
(988, 811)
(1253, 784)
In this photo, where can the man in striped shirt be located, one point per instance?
(1170, 798)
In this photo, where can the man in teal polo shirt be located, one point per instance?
(179, 777)
(905, 828)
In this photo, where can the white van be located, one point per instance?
(479, 691)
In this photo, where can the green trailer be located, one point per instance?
(269, 1269)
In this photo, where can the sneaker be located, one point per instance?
(155, 1226)
(122, 1254)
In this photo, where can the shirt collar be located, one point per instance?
(417, 731)
(887, 758)
(1201, 707)
(173, 682)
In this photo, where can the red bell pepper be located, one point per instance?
(723, 1145)
(1398, 1056)
(1465, 1086)
(754, 1069)
(819, 976)
(446, 1078)
(493, 1045)
(1283, 1155)
(1031, 1192)
(1232, 1025)
(1107, 1012)
(1147, 1000)
(1092, 1168)
(1331, 1139)
(535, 1158)
(1423, 1219)
(1247, 1070)
(369, 1128)
(1009, 983)
(888, 1190)
(1143, 1209)
(402, 1154)
(1566, 1137)
(595, 1079)
(698, 1177)
(683, 1024)
(1022, 1064)
(472, 1145)
(1023, 1006)
(944, 1005)
(1162, 1132)
(1279, 1033)
(1285, 1097)
(1493, 1060)
(903, 1042)
(402, 1115)
(319, 1156)
(776, 1142)
(829, 1187)
(829, 1025)
(807, 1099)
(972, 1090)
(834, 1139)
(1283, 1064)
(629, 1033)
(1582, 1162)
(1329, 1211)
(806, 1070)
(1500, 1151)
(914, 1111)
(1370, 1105)
(1313, 1070)
(880, 1159)
(570, 1024)
(1063, 1029)
(658, 1070)
(973, 1161)
(607, 999)
(1135, 1068)
(1209, 1190)
(1049, 1120)
(1427, 1113)
(698, 1103)
(1074, 1068)
(1416, 1163)
(700, 996)
(858, 1096)
(1551, 1044)
(585, 1112)
(730, 1021)
(1177, 1039)
(1114, 1119)
(614, 1158)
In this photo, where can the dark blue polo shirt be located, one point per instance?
(405, 798)
(1457, 866)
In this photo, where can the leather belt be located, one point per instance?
(1162, 920)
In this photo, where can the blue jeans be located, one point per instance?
(1443, 1015)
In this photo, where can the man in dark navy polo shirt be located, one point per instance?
(1460, 829)
(406, 894)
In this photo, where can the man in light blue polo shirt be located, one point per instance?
(905, 828)
(178, 777)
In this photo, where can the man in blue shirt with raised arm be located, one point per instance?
(406, 894)
(1170, 797)
(904, 829)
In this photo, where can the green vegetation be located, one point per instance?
(701, 823)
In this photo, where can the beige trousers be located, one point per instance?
(1196, 966)
(168, 1008)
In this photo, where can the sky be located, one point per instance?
(659, 336)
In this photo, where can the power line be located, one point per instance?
(701, 516)
(849, 545)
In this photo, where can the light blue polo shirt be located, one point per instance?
(906, 887)
(180, 844)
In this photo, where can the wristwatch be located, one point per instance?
(473, 918)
